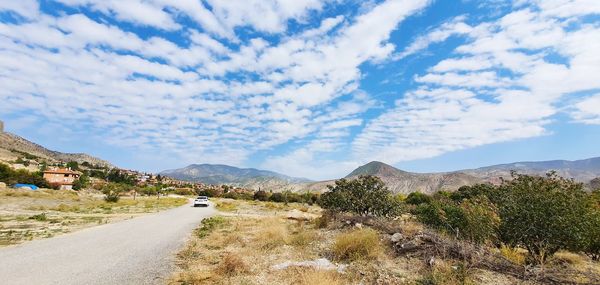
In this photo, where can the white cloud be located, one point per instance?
(26, 8)
(502, 84)
(587, 111)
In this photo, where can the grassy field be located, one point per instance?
(27, 215)
(267, 243)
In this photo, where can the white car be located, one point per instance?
(201, 201)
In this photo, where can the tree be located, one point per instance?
(365, 196)
(112, 192)
(74, 165)
(543, 214)
(81, 183)
(261, 195)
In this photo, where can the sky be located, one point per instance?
(308, 88)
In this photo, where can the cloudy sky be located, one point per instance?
(305, 87)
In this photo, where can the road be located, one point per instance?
(135, 251)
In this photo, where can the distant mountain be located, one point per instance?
(581, 170)
(13, 146)
(244, 177)
(399, 181)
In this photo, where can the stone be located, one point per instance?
(396, 237)
(2, 185)
(358, 225)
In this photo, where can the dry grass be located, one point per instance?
(226, 206)
(514, 255)
(446, 273)
(66, 211)
(359, 244)
(307, 276)
(565, 257)
(231, 264)
(274, 234)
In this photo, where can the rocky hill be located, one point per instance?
(405, 182)
(13, 146)
(581, 170)
(243, 177)
(399, 181)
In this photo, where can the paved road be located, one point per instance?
(136, 251)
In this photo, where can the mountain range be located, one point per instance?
(398, 181)
(224, 174)
(13, 146)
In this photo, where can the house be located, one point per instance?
(61, 177)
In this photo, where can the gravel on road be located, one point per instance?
(136, 251)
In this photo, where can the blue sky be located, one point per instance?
(304, 87)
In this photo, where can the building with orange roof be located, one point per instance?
(63, 178)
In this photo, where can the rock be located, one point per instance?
(358, 225)
(2, 185)
(321, 263)
(396, 237)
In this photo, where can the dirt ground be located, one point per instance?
(27, 214)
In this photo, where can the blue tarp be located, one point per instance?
(30, 186)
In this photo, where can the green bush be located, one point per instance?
(473, 219)
(81, 183)
(11, 177)
(467, 192)
(112, 192)
(365, 196)
(417, 198)
(543, 214)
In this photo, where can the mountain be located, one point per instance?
(13, 146)
(581, 170)
(399, 181)
(244, 177)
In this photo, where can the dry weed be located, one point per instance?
(359, 244)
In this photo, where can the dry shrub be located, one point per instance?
(231, 265)
(359, 244)
(565, 257)
(226, 206)
(303, 209)
(317, 277)
(322, 222)
(303, 237)
(513, 255)
(447, 274)
(273, 235)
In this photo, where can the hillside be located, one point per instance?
(406, 182)
(581, 170)
(243, 177)
(13, 146)
(399, 181)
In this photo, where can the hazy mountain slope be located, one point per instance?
(581, 170)
(399, 181)
(225, 174)
(12, 144)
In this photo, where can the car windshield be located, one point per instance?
(202, 197)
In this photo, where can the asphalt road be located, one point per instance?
(135, 251)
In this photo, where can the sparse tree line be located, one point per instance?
(540, 214)
(227, 191)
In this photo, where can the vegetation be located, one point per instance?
(11, 177)
(81, 183)
(359, 244)
(543, 214)
(210, 224)
(112, 192)
(365, 196)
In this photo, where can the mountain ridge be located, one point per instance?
(9, 143)
(251, 178)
